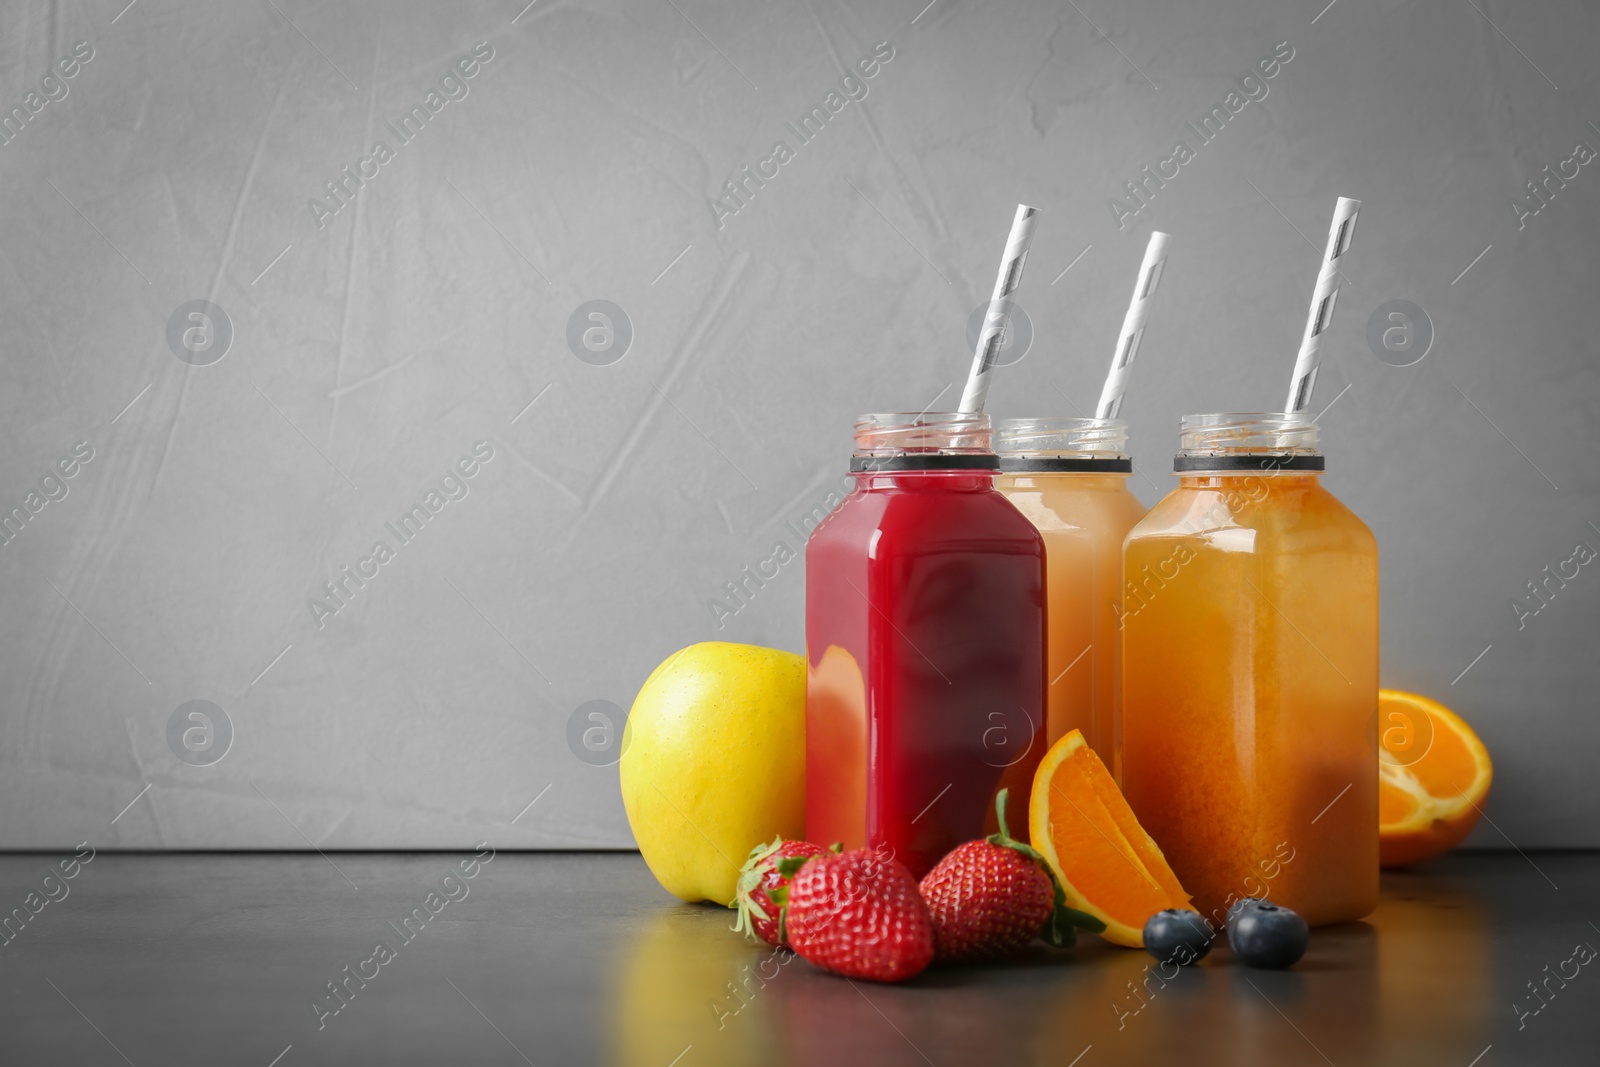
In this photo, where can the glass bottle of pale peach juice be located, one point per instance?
(1070, 478)
(1250, 674)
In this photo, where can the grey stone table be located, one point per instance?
(581, 958)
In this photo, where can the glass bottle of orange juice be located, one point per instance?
(1070, 478)
(1250, 674)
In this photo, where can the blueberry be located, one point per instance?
(1243, 904)
(1176, 934)
(1265, 935)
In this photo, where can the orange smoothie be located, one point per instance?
(1250, 675)
(1070, 478)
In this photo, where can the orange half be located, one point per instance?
(1433, 777)
(1108, 866)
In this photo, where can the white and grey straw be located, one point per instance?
(993, 334)
(1133, 325)
(1340, 232)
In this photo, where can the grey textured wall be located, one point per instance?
(376, 340)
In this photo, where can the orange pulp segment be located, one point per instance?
(1107, 865)
(1433, 777)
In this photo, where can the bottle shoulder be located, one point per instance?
(887, 519)
(1301, 509)
(1096, 516)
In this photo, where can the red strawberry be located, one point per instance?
(859, 914)
(764, 875)
(990, 898)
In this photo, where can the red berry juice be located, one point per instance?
(925, 638)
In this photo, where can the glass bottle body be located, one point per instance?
(1070, 478)
(1250, 678)
(925, 620)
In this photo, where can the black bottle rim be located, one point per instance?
(1066, 464)
(1253, 461)
(925, 461)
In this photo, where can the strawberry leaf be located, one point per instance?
(749, 880)
(1058, 934)
(790, 864)
(1061, 928)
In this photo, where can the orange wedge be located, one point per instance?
(1433, 776)
(1106, 863)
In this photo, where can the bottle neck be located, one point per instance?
(929, 442)
(1246, 444)
(1063, 445)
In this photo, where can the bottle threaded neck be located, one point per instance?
(1250, 440)
(940, 432)
(1089, 438)
(1063, 446)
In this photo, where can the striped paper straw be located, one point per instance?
(1340, 231)
(993, 334)
(1133, 323)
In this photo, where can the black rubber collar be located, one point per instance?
(1066, 464)
(1256, 461)
(925, 461)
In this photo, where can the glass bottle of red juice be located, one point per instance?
(925, 642)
